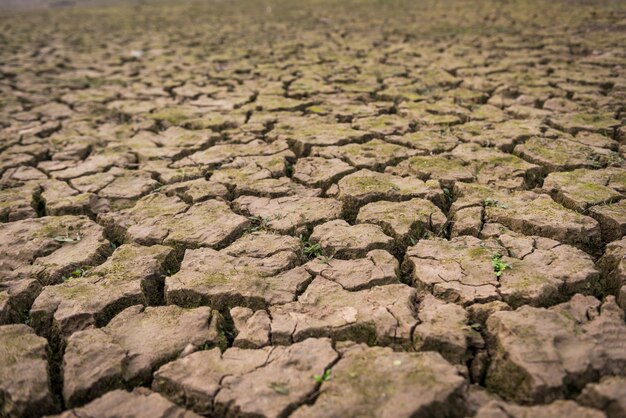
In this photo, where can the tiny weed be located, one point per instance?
(614, 158)
(489, 201)
(158, 188)
(325, 377)
(278, 388)
(79, 272)
(310, 249)
(313, 250)
(595, 160)
(324, 259)
(289, 170)
(498, 265)
(258, 223)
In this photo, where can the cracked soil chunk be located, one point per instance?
(143, 223)
(132, 275)
(539, 271)
(253, 272)
(498, 409)
(581, 189)
(608, 395)
(404, 220)
(382, 315)
(425, 141)
(525, 212)
(374, 155)
(128, 187)
(51, 247)
(444, 328)
(320, 172)
(376, 268)
(304, 133)
(494, 167)
(16, 298)
(365, 186)
(24, 379)
(594, 122)
(96, 163)
(560, 154)
(19, 202)
(544, 354)
(198, 190)
(445, 169)
(291, 214)
(223, 153)
(131, 347)
(613, 266)
(268, 382)
(158, 219)
(505, 135)
(377, 382)
(342, 240)
(140, 403)
(612, 219)
(252, 328)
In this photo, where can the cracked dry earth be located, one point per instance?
(313, 209)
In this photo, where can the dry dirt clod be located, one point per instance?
(375, 381)
(140, 403)
(131, 347)
(25, 388)
(268, 382)
(534, 270)
(132, 275)
(577, 342)
(255, 271)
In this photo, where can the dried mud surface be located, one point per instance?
(313, 209)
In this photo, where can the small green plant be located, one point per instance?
(78, 272)
(27, 317)
(158, 189)
(325, 259)
(278, 388)
(258, 223)
(311, 250)
(498, 265)
(324, 377)
(289, 170)
(489, 201)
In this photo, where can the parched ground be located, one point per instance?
(326, 208)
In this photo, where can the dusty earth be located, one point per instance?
(326, 208)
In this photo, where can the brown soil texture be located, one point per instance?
(318, 208)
